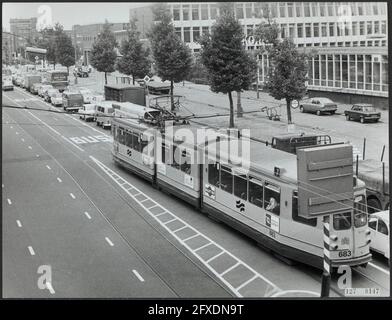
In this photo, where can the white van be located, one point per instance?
(379, 232)
(104, 112)
(87, 113)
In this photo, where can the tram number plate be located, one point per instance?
(344, 254)
(272, 233)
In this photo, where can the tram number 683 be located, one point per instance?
(344, 253)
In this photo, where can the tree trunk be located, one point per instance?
(239, 107)
(288, 107)
(231, 124)
(133, 80)
(172, 95)
(106, 78)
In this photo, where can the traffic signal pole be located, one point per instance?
(326, 277)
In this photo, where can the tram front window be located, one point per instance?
(342, 221)
(360, 214)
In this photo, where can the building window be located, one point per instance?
(322, 9)
(344, 71)
(239, 10)
(290, 9)
(323, 69)
(187, 34)
(352, 71)
(300, 30)
(310, 72)
(315, 9)
(376, 75)
(376, 27)
(196, 34)
(178, 32)
(362, 43)
(185, 12)
(369, 27)
(360, 71)
(176, 13)
(273, 10)
(283, 30)
(248, 10)
(308, 30)
(317, 70)
(298, 7)
(195, 12)
(205, 30)
(353, 9)
(355, 43)
(368, 72)
(282, 9)
(330, 6)
(360, 8)
(338, 82)
(316, 30)
(307, 9)
(384, 73)
(213, 11)
(375, 8)
(354, 27)
(324, 29)
(361, 28)
(383, 27)
(370, 43)
(330, 70)
(249, 30)
(204, 11)
(291, 30)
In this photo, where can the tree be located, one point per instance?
(135, 60)
(229, 67)
(103, 54)
(65, 51)
(47, 41)
(287, 73)
(172, 57)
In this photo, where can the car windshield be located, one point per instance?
(325, 100)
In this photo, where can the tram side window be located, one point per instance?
(312, 222)
(114, 133)
(128, 139)
(121, 136)
(256, 192)
(213, 174)
(226, 179)
(342, 221)
(272, 198)
(165, 153)
(185, 165)
(176, 157)
(135, 142)
(241, 186)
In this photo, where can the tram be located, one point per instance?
(247, 195)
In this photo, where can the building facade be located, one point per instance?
(23, 30)
(7, 47)
(351, 40)
(144, 19)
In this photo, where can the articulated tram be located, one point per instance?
(248, 195)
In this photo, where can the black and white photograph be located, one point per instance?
(195, 150)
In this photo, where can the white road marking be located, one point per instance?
(119, 180)
(72, 195)
(55, 118)
(191, 237)
(30, 147)
(169, 220)
(18, 223)
(48, 167)
(76, 146)
(214, 257)
(203, 246)
(86, 125)
(50, 287)
(378, 268)
(229, 269)
(179, 229)
(59, 180)
(308, 293)
(138, 275)
(246, 282)
(87, 215)
(108, 241)
(9, 201)
(31, 250)
(44, 123)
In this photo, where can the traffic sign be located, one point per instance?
(294, 104)
(36, 58)
(146, 79)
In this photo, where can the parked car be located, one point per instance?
(81, 71)
(87, 113)
(104, 111)
(35, 87)
(7, 83)
(43, 88)
(87, 95)
(379, 232)
(49, 93)
(318, 106)
(362, 112)
(57, 99)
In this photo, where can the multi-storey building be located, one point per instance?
(23, 30)
(7, 47)
(350, 39)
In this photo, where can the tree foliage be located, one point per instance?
(103, 54)
(134, 60)
(172, 57)
(229, 67)
(287, 73)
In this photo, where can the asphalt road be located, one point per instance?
(62, 208)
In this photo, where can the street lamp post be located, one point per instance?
(75, 74)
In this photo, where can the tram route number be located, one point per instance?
(272, 233)
(344, 253)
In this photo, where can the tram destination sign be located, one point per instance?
(325, 180)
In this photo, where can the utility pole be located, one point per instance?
(75, 44)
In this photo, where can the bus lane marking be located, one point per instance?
(124, 185)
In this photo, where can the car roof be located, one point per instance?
(363, 105)
(384, 215)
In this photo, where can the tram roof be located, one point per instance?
(263, 159)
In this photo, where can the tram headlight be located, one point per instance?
(367, 232)
(334, 237)
(334, 246)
